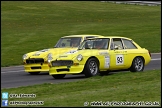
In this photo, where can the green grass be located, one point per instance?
(34, 25)
(123, 86)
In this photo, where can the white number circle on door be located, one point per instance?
(119, 59)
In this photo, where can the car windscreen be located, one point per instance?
(95, 44)
(68, 42)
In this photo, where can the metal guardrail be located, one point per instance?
(149, 3)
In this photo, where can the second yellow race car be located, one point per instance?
(36, 61)
(100, 55)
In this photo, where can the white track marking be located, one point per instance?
(156, 59)
(14, 71)
(155, 53)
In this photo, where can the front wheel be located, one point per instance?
(137, 65)
(59, 76)
(91, 67)
(34, 73)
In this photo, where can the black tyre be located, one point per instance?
(91, 68)
(34, 73)
(137, 65)
(59, 76)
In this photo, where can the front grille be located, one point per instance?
(35, 67)
(62, 63)
(34, 60)
(59, 70)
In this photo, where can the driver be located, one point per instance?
(101, 44)
(75, 43)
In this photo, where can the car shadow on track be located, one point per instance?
(70, 77)
(74, 76)
(41, 73)
(79, 76)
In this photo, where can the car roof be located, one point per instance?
(112, 37)
(83, 35)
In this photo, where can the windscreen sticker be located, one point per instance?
(107, 61)
(119, 59)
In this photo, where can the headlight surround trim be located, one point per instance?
(49, 57)
(79, 57)
(24, 56)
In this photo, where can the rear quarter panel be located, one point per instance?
(132, 53)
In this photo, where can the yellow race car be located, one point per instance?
(100, 55)
(36, 62)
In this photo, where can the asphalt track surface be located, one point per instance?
(15, 76)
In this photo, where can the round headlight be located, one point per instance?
(79, 57)
(24, 56)
(49, 57)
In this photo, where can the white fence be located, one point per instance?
(149, 3)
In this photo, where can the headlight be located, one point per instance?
(79, 57)
(24, 56)
(49, 57)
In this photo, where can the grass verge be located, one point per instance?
(34, 25)
(120, 87)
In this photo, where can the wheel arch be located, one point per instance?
(133, 61)
(95, 58)
(86, 69)
(140, 57)
(136, 57)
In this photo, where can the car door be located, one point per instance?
(118, 54)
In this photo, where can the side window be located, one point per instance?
(117, 44)
(128, 44)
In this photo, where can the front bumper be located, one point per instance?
(36, 67)
(66, 70)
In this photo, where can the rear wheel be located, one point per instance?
(59, 76)
(91, 67)
(34, 73)
(137, 65)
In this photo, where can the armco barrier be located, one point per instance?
(149, 3)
